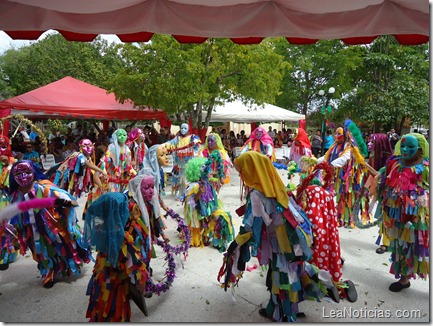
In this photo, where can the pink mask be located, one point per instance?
(147, 188)
(3, 146)
(86, 146)
(23, 174)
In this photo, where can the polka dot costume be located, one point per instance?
(320, 209)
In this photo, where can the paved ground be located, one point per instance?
(197, 297)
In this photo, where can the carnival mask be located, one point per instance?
(3, 146)
(259, 133)
(136, 135)
(86, 147)
(295, 134)
(184, 129)
(147, 188)
(23, 174)
(211, 142)
(339, 135)
(409, 147)
(370, 146)
(161, 155)
(121, 136)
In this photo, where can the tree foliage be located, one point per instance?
(392, 85)
(186, 80)
(53, 58)
(316, 67)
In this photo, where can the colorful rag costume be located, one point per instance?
(183, 147)
(117, 162)
(138, 148)
(208, 222)
(115, 228)
(52, 234)
(279, 234)
(151, 168)
(213, 143)
(260, 141)
(404, 192)
(73, 174)
(300, 148)
(346, 156)
(8, 252)
(380, 151)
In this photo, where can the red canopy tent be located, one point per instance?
(243, 21)
(72, 98)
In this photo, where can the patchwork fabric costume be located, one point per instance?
(52, 234)
(138, 148)
(208, 222)
(279, 234)
(404, 193)
(183, 148)
(347, 158)
(8, 247)
(117, 162)
(115, 228)
(225, 164)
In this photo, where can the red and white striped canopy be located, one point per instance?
(243, 21)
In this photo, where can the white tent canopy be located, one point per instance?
(238, 112)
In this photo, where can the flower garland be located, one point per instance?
(170, 251)
(185, 235)
(21, 118)
(170, 274)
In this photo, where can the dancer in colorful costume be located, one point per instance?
(278, 233)
(403, 190)
(120, 235)
(184, 147)
(138, 148)
(319, 206)
(213, 143)
(260, 141)
(117, 162)
(52, 234)
(346, 155)
(8, 252)
(203, 213)
(380, 150)
(76, 173)
(300, 148)
(155, 158)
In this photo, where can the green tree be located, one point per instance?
(53, 58)
(186, 80)
(392, 85)
(316, 67)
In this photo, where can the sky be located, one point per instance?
(7, 43)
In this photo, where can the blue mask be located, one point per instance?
(184, 129)
(409, 147)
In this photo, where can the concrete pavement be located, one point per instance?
(196, 295)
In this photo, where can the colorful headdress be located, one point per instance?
(356, 136)
(258, 172)
(423, 144)
(105, 223)
(193, 169)
(264, 139)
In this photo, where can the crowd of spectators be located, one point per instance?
(26, 144)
